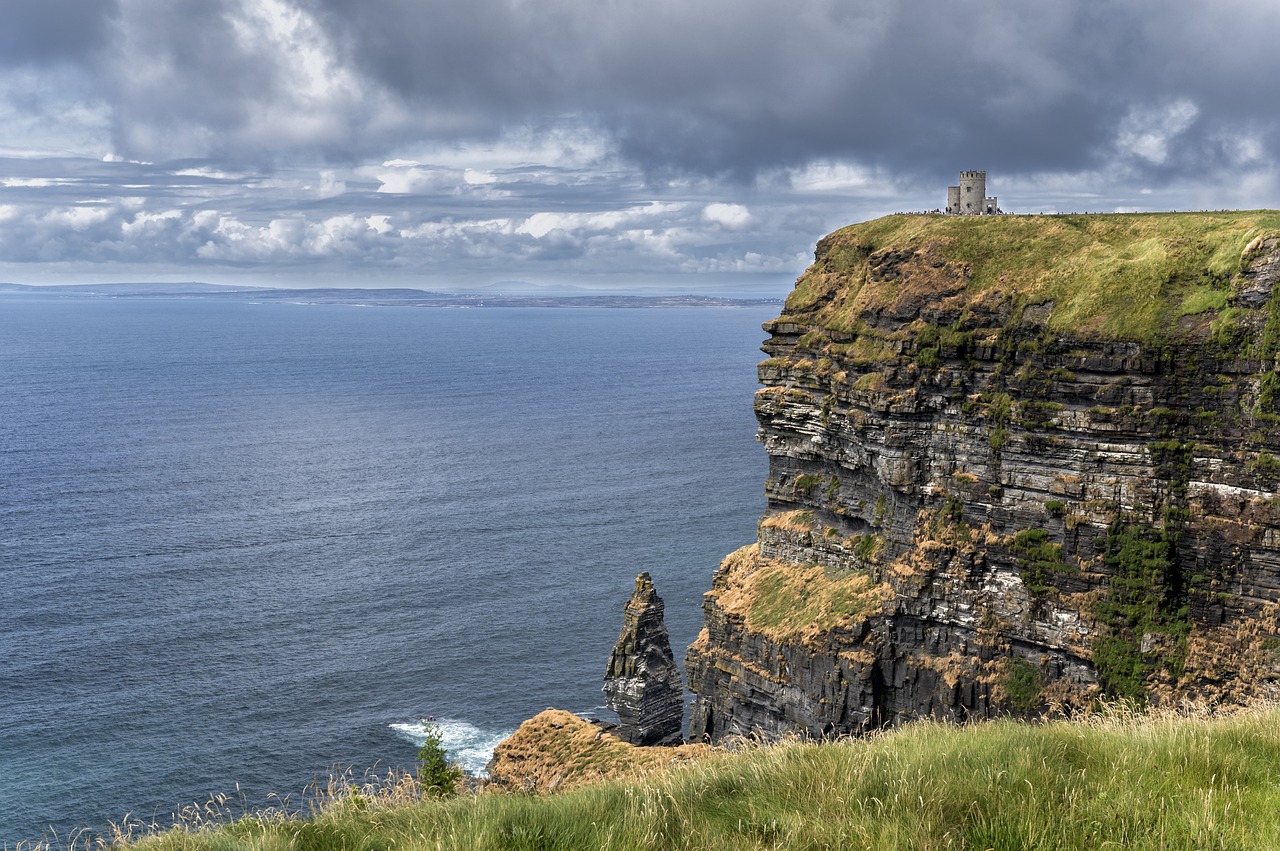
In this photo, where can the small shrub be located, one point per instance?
(1037, 559)
(1023, 685)
(999, 408)
(438, 777)
(881, 511)
(869, 381)
(1055, 507)
(1039, 414)
(833, 489)
(1266, 463)
(928, 358)
(804, 484)
(952, 511)
(865, 547)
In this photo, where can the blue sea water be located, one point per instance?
(244, 545)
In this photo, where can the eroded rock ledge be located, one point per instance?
(1015, 464)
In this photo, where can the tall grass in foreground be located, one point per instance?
(1124, 781)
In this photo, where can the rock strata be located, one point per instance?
(997, 488)
(643, 684)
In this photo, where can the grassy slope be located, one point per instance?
(1129, 781)
(1120, 276)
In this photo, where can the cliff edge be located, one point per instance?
(1016, 463)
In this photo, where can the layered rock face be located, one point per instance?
(642, 682)
(1016, 464)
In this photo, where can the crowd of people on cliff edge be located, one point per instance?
(940, 212)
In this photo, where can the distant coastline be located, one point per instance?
(385, 297)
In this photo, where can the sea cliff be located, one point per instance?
(1016, 463)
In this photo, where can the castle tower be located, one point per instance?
(953, 200)
(973, 193)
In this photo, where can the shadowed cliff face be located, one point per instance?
(1014, 464)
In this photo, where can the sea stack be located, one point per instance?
(642, 683)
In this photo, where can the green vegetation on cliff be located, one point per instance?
(1131, 781)
(1121, 276)
(791, 602)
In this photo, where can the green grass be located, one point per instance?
(1038, 559)
(1126, 781)
(1122, 276)
(796, 602)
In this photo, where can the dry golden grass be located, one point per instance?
(557, 750)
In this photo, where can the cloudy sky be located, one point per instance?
(643, 145)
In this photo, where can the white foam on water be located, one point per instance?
(466, 743)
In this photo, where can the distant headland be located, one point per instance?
(381, 297)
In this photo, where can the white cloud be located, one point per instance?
(78, 218)
(381, 224)
(406, 177)
(1146, 132)
(731, 216)
(831, 176)
(151, 225)
(35, 182)
(472, 177)
(459, 230)
(540, 224)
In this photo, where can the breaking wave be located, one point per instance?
(466, 743)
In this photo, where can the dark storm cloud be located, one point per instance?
(713, 87)
(661, 137)
(739, 85)
(52, 30)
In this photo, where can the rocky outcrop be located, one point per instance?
(642, 683)
(997, 486)
(557, 750)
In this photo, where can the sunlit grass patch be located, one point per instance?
(1122, 779)
(1120, 276)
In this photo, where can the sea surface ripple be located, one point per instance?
(243, 546)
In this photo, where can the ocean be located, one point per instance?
(246, 546)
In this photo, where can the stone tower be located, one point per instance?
(970, 197)
(973, 192)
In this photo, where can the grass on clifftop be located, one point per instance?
(1128, 781)
(788, 601)
(1120, 276)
